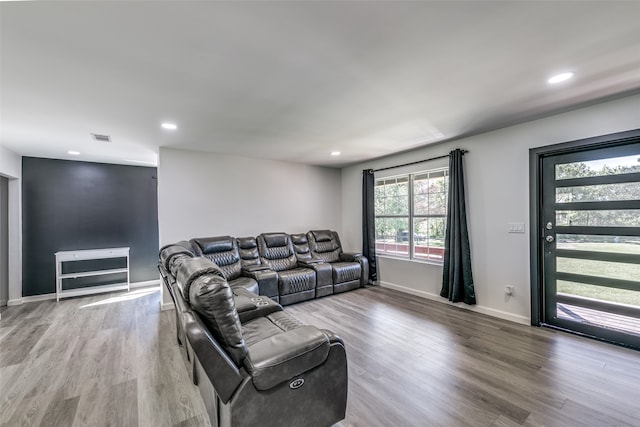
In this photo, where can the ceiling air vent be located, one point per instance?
(101, 138)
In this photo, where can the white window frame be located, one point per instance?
(412, 216)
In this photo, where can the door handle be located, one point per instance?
(549, 239)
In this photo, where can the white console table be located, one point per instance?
(84, 255)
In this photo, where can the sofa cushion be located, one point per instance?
(276, 251)
(296, 280)
(192, 268)
(223, 250)
(301, 245)
(322, 235)
(324, 245)
(274, 240)
(267, 326)
(212, 299)
(248, 249)
(346, 271)
(283, 356)
(247, 283)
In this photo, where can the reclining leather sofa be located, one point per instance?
(288, 268)
(253, 364)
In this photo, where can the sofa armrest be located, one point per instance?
(267, 281)
(222, 372)
(350, 256)
(283, 356)
(251, 306)
(252, 268)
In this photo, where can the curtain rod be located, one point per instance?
(415, 163)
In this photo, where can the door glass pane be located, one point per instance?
(593, 218)
(585, 242)
(608, 269)
(596, 193)
(601, 167)
(621, 296)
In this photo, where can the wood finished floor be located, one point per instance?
(112, 360)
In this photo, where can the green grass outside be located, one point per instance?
(601, 269)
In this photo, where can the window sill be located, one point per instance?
(407, 259)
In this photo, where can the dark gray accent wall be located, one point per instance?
(68, 205)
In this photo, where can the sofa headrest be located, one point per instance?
(210, 245)
(212, 298)
(193, 268)
(275, 240)
(299, 239)
(322, 235)
(247, 242)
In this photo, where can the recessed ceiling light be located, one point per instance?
(335, 153)
(169, 126)
(73, 153)
(560, 78)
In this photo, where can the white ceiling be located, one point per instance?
(295, 80)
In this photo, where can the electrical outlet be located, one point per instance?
(508, 290)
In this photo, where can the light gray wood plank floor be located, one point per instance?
(112, 359)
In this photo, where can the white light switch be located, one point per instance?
(515, 227)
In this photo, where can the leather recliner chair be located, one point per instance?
(270, 370)
(350, 270)
(295, 283)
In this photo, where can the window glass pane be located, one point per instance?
(585, 242)
(392, 236)
(428, 238)
(437, 204)
(602, 167)
(594, 193)
(589, 267)
(403, 186)
(430, 193)
(421, 204)
(612, 218)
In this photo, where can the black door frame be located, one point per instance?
(536, 229)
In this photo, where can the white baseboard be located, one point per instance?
(155, 282)
(32, 298)
(164, 306)
(523, 320)
(43, 297)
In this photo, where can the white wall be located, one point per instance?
(204, 194)
(4, 241)
(497, 175)
(11, 167)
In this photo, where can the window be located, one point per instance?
(410, 215)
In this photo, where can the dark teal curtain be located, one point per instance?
(368, 222)
(457, 278)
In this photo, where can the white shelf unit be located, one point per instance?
(90, 254)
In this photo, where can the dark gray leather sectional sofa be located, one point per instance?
(254, 364)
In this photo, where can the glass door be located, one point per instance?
(589, 217)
